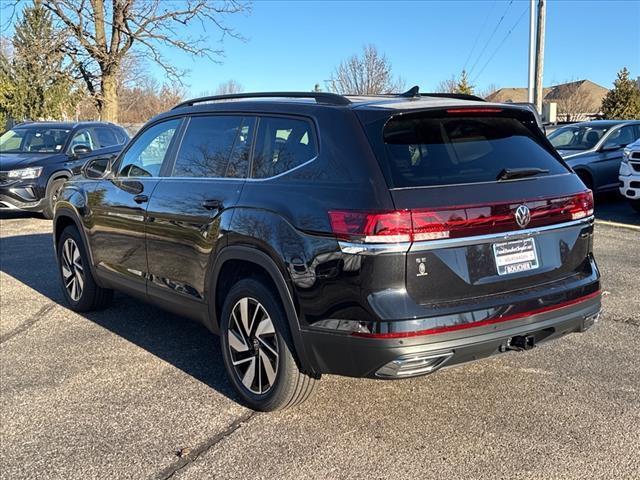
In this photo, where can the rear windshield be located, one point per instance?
(425, 150)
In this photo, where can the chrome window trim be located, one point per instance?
(354, 248)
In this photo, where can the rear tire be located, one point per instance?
(53, 189)
(635, 204)
(78, 285)
(258, 351)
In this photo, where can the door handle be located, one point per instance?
(212, 204)
(141, 198)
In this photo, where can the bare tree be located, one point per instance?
(368, 74)
(449, 85)
(488, 90)
(573, 105)
(229, 87)
(102, 33)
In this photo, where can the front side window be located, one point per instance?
(281, 145)
(577, 137)
(214, 147)
(621, 137)
(145, 156)
(82, 138)
(34, 140)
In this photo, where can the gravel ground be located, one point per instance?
(116, 394)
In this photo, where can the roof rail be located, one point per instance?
(320, 97)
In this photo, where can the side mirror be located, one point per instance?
(611, 148)
(96, 168)
(79, 150)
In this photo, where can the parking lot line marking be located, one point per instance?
(618, 224)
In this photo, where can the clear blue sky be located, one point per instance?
(294, 45)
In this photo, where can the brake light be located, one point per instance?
(463, 111)
(385, 227)
(455, 222)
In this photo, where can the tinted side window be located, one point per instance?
(148, 151)
(282, 144)
(207, 145)
(104, 137)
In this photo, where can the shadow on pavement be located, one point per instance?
(613, 208)
(183, 343)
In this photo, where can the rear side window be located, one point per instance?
(214, 146)
(427, 150)
(105, 137)
(281, 145)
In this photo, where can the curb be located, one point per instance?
(618, 225)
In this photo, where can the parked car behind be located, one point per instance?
(381, 236)
(594, 149)
(36, 158)
(630, 174)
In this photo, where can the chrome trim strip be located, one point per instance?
(354, 248)
(503, 236)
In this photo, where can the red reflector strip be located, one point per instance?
(458, 111)
(481, 323)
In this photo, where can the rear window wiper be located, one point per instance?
(511, 173)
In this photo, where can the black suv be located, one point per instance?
(36, 158)
(380, 237)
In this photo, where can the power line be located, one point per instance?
(491, 37)
(501, 43)
(475, 43)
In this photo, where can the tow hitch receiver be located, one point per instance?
(519, 343)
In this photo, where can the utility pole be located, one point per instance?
(532, 47)
(540, 54)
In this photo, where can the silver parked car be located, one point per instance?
(594, 149)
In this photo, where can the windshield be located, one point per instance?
(34, 140)
(577, 137)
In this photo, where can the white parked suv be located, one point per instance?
(630, 174)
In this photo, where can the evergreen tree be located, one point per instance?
(41, 86)
(463, 85)
(623, 101)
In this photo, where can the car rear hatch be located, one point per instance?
(487, 205)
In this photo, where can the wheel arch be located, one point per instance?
(585, 172)
(261, 264)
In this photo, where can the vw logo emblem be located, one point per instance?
(523, 216)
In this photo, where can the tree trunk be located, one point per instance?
(109, 104)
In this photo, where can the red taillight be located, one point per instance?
(386, 227)
(455, 222)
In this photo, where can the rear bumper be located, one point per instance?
(349, 355)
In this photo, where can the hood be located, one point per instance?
(11, 161)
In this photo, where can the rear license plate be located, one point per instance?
(516, 256)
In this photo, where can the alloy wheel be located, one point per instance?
(72, 269)
(253, 345)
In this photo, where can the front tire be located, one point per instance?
(257, 349)
(635, 204)
(78, 285)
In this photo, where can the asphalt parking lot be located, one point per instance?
(116, 394)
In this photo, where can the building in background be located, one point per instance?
(576, 101)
